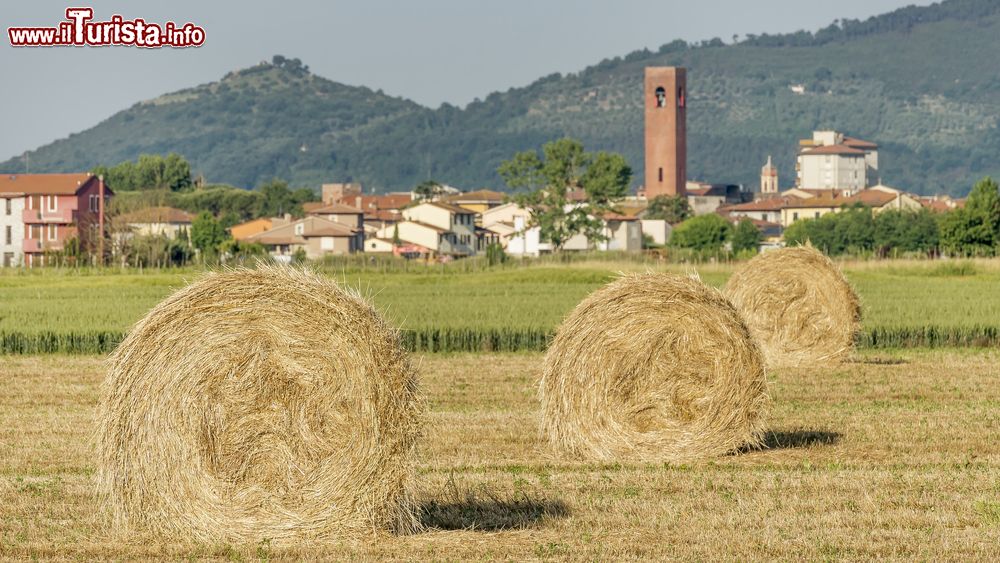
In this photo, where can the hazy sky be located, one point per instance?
(430, 51)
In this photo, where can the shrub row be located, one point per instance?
(500, 340)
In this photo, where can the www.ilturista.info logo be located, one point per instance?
(79, 30)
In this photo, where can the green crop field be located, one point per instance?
(905, 303)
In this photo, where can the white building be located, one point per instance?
(622, 233)
(832, 160)
(159, 221)
(445, 218)
(658, 230)
(11, 230)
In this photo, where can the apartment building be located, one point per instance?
(39, 213)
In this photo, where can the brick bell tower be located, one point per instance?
(665, 102)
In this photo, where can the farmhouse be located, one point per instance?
(318, 237)
(509, 223)
(442, 228)
(165, 221)
(338, 213)
(40, 213)
(430, 237)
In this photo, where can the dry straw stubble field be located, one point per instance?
(892, 455)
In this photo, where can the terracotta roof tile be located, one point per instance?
(835, 149)
(45, 184)
(451, 208)
(858, 143)
(477, 196)
(312, 227)
(332, 209)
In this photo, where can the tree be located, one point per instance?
(899, 230)
(706, 233)
(545, 183)
(746, 236)
(983, 204)
(974, 229)
(428, 189)
(150, 172)
(277, 199)
(176, 173)
(671, 208)
(495, 254)
(396, 241)
(850, 230)
(207, 233)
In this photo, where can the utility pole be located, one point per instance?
(100, 220)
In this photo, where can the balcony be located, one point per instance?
(62, 215)
(35, 245)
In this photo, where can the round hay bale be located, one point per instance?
(653, 367)
(259, 404)
(798, 306)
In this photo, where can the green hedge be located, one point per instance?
(501, 340)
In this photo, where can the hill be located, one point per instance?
(923, 82)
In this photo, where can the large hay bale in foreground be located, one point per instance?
(259, 404)
(798, 306)
(654, 367)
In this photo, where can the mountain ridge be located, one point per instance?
(920, 81)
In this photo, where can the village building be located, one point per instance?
(40, 213)
(706, 198)
(622, 233)
(317, 236)
(424, 239)
(437, 228)
(333, 193)
(478, 201)
(834, 160)
(337, 212)
(158, 221)
(657, 230)
(244, 231)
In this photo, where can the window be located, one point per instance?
(795, 216)
(817, 214)
(661, 97)
(35, 232)
(53, 232)
(7, 204)
(9, 236)
(661, 174)
(300, 228)
(52, 202)
(95, 203)
(35, 202)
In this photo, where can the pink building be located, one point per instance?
(40, 212)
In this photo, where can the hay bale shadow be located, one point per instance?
(795, 439)
(877, 361)
(489, 514)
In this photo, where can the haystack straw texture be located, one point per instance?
(259, 404)
(798, 306)
(654, 367)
